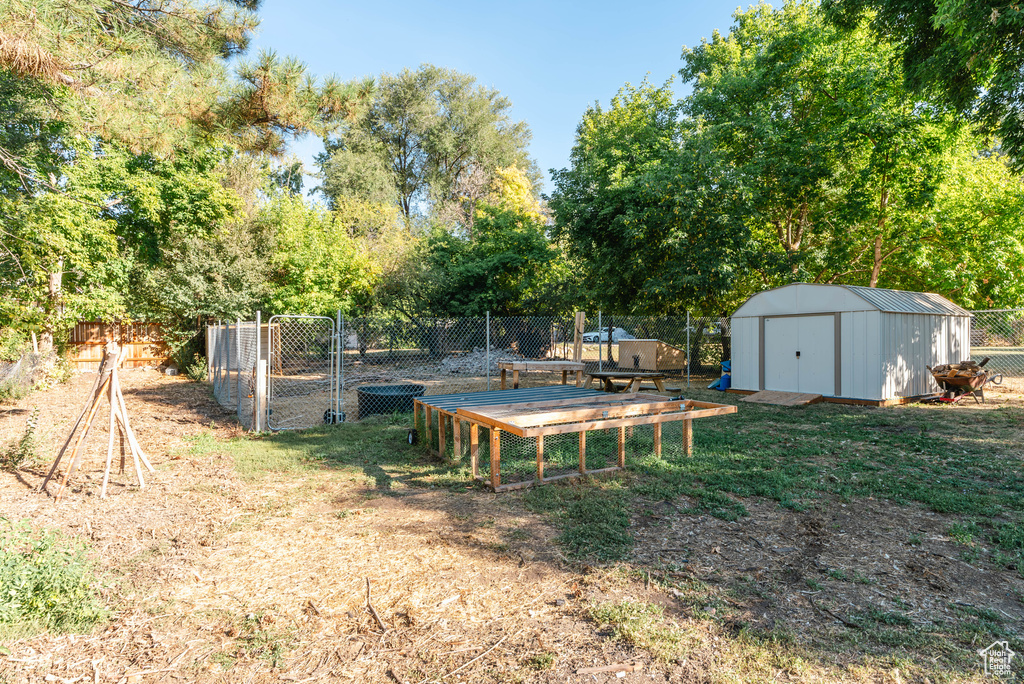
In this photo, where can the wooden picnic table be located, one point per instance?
(565, 366)
(634, 380)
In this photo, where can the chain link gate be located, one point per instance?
(302, 390)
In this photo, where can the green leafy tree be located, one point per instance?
(155, 75)
(61, 260)
(140, 90)
(839, 162)
(509, 268)
(317, 267)
(972, 248)
(970, 55)
(645, 209)
(423, 134)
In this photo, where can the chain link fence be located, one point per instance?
(18, 377)
(322, 370)
(233, 368)
(999, 335)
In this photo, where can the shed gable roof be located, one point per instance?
(903, 301)
(804, 298)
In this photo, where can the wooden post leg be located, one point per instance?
(590, 381)
(515, 379)
(622, 447)
(503, 372)
(657, 440)
(495, 457)
(579, 378)
(565, 377)
(441, 420)
(76, 456)
(583, 453)
(427, 427)
(456, 439)
(474, 449)
(688, 437)
(540, 458)
(415, 415)
(660, 384)
(634, 385)
(112, 426)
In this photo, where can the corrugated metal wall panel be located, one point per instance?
(911, 343)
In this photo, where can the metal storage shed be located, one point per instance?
(846, 341)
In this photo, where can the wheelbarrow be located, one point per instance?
(957, 387)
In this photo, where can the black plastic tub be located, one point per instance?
(385, 399)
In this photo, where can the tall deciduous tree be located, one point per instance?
(423, 135)
(968, 54)
(972, 246)
(645, 209)
(840, 162)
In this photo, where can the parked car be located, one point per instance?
(711, 329)
(602, 336)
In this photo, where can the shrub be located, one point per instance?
(46, 582)
(12, 390)
(196, 371)
(13, 343)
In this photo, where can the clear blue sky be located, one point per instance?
(552, 59)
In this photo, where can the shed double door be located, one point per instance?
(800, 354)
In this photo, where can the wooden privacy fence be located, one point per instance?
(143, 342)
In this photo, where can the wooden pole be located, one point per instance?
(132, 441)
(688, 437)
(74, 428)
(622, 447)
(430, 440)
(76, 455)
(540, 458)
(456, 439)
(474, 448)
(583, 453)
(441, 441)
(111, 427)
(577, 341)
(122, 417)
(495, 457)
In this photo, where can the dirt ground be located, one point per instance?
(216, 579)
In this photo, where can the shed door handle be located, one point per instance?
(798, 355)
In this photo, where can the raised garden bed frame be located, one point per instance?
(537, 416)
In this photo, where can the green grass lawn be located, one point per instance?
(948, 459)
(951, 460)
(964, 463)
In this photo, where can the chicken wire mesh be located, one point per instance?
(532, 460)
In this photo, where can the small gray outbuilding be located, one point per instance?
(846, 341)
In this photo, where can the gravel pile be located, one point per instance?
(473, 363)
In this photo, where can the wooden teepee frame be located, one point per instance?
(107, 385)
